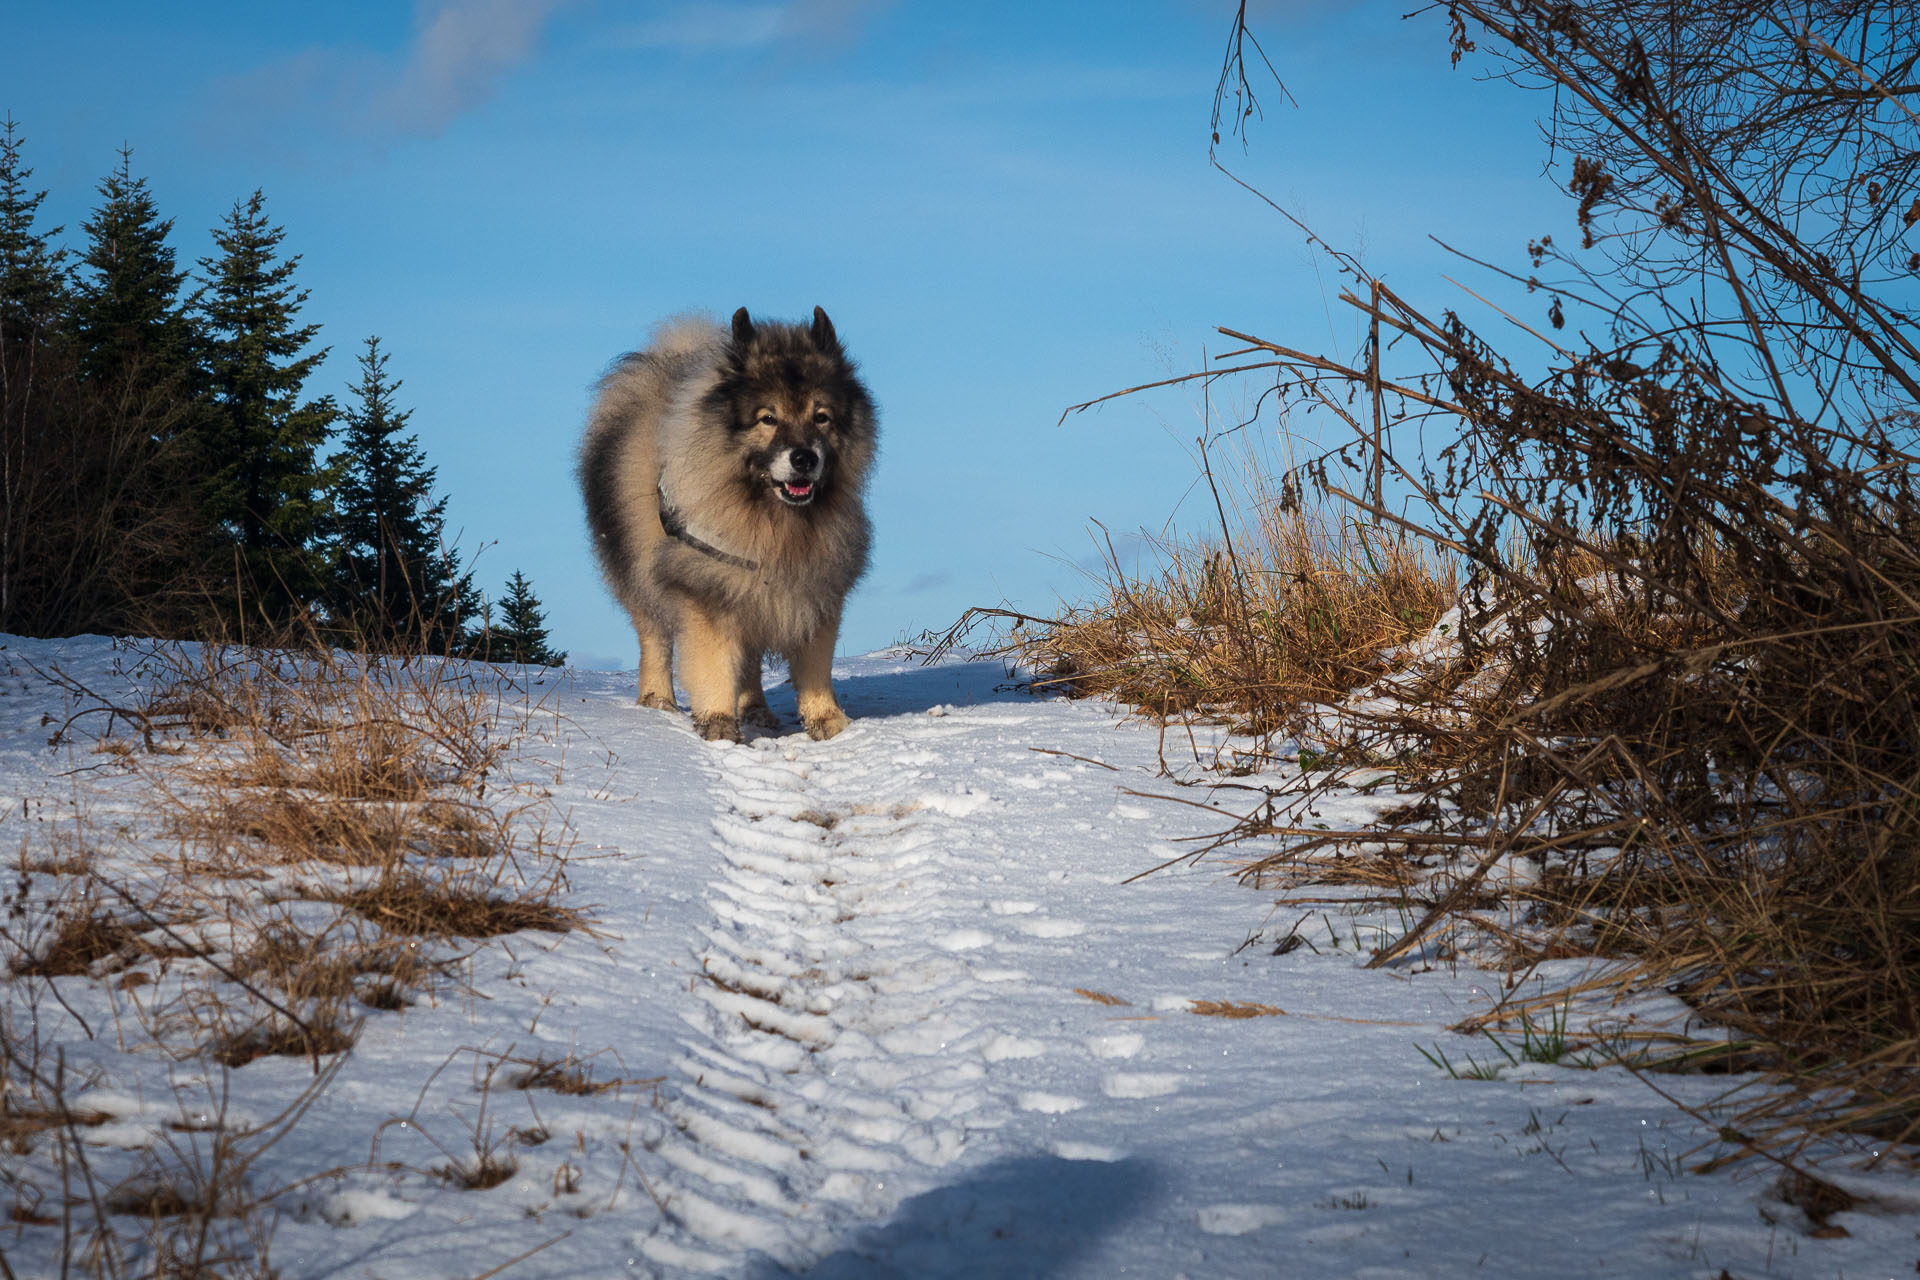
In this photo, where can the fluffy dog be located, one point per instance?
(723, 472)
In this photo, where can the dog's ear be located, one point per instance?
(824, 339)
(742, 328)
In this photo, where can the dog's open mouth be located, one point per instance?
(795, 493)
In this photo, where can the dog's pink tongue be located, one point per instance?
(799, 490)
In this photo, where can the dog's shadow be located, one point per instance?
(911, 690)
(1023, 1216)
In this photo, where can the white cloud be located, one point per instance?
(829, 22)
(706, 26)
(703, 27)
(459, 52)
(462, 49)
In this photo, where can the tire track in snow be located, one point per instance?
(832, 982)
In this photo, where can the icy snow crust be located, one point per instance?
(889, 1011)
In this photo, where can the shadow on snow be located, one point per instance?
(1024, 1216)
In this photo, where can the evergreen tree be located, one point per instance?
(463, 620)
(127, 320)
(99, 527)
(521, 633)
(32, 274)
(395, 579)
(268, 496)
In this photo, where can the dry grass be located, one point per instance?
(1099, 997)
(311, 1037)
(415, 905)
(571, 1076)
(276, 826)
(341, 827)
(77, 943)
(19, 1127)
(1295, 609)
(1236, 1009)
(482, 1173)
(1683, 747)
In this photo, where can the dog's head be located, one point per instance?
(795, 411)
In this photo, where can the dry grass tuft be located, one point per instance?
(1100, 997)
(151, 1199)
(65, 854)
(572, 1076)
(388, 997)
(1231, 1009)
(339, 823)
(19, 1127)
(78, 943)
(482, 1173)
(409, 904)
(1671, 726)
(313, 1038)
(1295, 609)
(278, 826)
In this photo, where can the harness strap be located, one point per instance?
(675, 526)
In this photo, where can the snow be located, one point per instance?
(883, 1006)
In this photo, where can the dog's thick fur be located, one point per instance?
(723, 471)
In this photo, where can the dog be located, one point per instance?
(723, 471)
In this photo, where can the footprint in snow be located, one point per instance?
(1003, 1048)
(1133, 1084)
(1120, 1046)
(1239, 1219)
(1053, 1104)
(1087, 1151)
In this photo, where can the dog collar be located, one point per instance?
(675, 526)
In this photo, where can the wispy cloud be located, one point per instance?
(703, 28)
(708, 26)
(926, 582)
(829, 23)
(458, 54)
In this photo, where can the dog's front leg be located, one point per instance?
(811, 666)
(710, 657)
(656, 664)
(753, 693)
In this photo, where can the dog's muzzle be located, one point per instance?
(796, 476)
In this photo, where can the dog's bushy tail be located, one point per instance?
(685, 335)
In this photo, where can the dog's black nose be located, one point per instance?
(805, 461)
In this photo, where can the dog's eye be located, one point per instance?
(822, 416)
(763, 417)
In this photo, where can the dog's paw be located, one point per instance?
(659, 701)
(719, 727)
(760, 716)
(827, 724)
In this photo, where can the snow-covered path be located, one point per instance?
(887, 1009)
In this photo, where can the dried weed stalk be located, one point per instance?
(342, 823)
(1674, 724)
(1290, 609)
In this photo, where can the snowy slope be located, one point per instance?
(883, 1007)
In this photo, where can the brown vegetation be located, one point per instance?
(1291, 609)
(342, 823)
(1674, 726)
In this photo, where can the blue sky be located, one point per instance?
(1007, 208)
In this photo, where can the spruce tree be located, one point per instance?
(268, 493)
(32, 273)
(99, 527)
(463, 619)
(521, 633)
(127, 318)
(395, 580)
